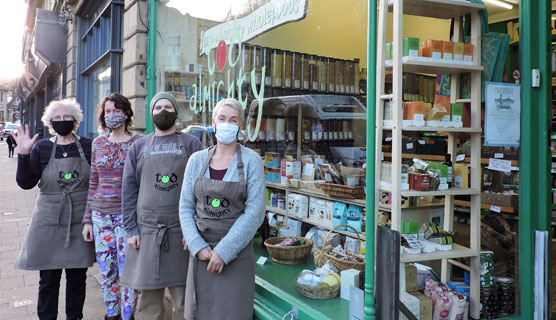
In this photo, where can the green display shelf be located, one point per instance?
(276, 293)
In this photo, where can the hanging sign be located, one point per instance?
(503, 111)
(266, 17)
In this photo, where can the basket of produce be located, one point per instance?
(343, 191)
(342, 259)
(289, 250)
(314, 286)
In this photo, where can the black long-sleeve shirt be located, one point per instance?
(30, 167)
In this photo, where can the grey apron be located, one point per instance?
(161, 260)
(54, 239)
(230, 294)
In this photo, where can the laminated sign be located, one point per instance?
(502, 118)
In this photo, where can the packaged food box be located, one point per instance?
(291, 169)
(298, 205)
(458, 51)
(272, 159)
(461, 175)
(447, 50)
(435, 48)
(411, 47)
(467, 53)
(457, 112)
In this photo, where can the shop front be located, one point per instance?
(314, 81)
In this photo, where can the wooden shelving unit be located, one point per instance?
(443, 9)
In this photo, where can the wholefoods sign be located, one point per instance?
(266, 17)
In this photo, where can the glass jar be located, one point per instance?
(338, 68)
(321, 61)
(330, 75)
(256, 53)
(347, 81)
(267, 58)
(296, 70)
(305, 76)
(356, 76)
(287, 69)
(313, 73)
(246, 63)
(276, 73)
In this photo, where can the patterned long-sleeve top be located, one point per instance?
(105, 183)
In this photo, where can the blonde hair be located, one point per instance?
(229, 102)
(71, 106)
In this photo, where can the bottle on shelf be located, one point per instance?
(287, 70)
(305, 70)
(330, 75)
(448, 162)
(296, 70)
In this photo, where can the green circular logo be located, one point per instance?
(215, 203)
(165, 179)
(67, 176)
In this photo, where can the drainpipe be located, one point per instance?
(369, 310)
(151, 62)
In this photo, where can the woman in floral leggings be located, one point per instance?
(102, 221)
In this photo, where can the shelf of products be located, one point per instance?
(429, 56)
(456, 252)
(484, 161)
(359, 202)
(443, 9)
(486, 206)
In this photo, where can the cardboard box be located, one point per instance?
(461, 175)
(467, 53)
(298, 205)
(447, 50)
(425, 306)
(458, 51)
(349, 278)
(290, 169)
(502, 200)
(410, 278)
(435, 47)
(414, 110)
(411, 47)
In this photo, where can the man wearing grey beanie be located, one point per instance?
(157, 257)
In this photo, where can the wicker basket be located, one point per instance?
(317, 292)
(342, 191)
(288, 255)
(321, 256)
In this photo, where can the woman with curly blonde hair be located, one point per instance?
(60, 165)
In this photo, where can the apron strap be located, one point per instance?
(53, 152)
(239, 163)
(81, 153)
(161, 243)
(149, 146)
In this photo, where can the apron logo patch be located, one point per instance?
(163, 180)
(68, 179)
(216, 207)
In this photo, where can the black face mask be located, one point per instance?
(165, 119)
(63, 127)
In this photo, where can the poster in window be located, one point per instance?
(503, 112)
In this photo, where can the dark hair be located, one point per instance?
(120, 102)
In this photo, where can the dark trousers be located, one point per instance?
(49, 288)
(11, 151)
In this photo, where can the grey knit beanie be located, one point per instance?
(163, 95)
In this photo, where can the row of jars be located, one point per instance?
(313, 130)
(300, 71)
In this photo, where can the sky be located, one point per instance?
(12, 21)
(215, 10)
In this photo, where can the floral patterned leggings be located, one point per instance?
(111, 249)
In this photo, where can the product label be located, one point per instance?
(267, 81)
(315, 85)
(353, 90)
(278, 82)
(456, 118)
(498, 155)
(458, 57)
(421, 141)
(288, 83)
(409, 145)
(296, 84)
(291, 136)
(307, 136)
(446, 118)
(331, 87)
(467, 58)
(448, 56)
(418, 117)
(325, 136)
(306, 85)
(343, 88)
(320, 135)
(314, 135)
(323, 86)
(281, 135)
(351, 135)
(261, 135)
(271, 136)
(460, 157)
(495, 208)
(338, 88)
(458, 181)
(258, 79)
(437, 55)
(341, 135)
(413, 53)
(336, 136)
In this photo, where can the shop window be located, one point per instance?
(99, 57)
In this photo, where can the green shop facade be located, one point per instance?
(203, 53)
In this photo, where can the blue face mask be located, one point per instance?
(226, 132)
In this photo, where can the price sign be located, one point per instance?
(495, 208)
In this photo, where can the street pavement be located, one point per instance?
(19, 288)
